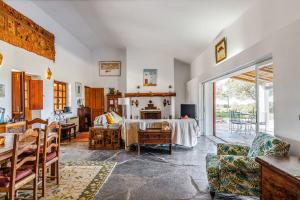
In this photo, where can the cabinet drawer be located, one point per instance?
(275, 186)
(155, 141)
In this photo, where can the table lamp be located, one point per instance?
(125, 101)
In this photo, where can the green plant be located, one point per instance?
(111, 90)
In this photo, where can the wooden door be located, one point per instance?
(28, 112)
(36, 95)
(97, 102)
(18, 99)
(87, 94)
(99, 98)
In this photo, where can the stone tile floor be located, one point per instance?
(154, 175)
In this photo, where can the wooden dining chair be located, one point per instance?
(50, 150)
(17, 127)
(19, 174)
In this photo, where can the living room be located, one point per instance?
(132, 105)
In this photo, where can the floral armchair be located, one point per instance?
(234, 170)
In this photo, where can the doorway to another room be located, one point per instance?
(242, 104)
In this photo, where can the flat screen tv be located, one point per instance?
(189, 110)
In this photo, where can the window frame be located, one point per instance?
(60, 92)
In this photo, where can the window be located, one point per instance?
(60, 95)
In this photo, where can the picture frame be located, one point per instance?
(109, 68)
(78, 89)
(221, 50)
(150, 77)
(2, 90)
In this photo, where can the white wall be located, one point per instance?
(109, 54)
(138, 59)
(271, 27)
(72, 60)
(181, 76)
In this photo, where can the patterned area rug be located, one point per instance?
(81, 137)
(79, 180)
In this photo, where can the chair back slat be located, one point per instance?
(18, 148)
(53, 141)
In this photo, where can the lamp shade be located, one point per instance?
(124, 101)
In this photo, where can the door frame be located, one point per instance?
(256, 64)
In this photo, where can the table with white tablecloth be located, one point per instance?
(184, 131)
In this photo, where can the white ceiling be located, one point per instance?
(181, 28)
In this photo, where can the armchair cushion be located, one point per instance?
(242, 163)
(268, 145)
(212, 168)
(231, 149)
(239, 175)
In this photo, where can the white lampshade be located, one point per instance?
(124, 101)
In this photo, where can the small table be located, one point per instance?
(280, 178)
(155, 136)
(67, 128)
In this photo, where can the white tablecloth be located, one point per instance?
(184, 131)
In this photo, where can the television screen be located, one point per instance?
(189, 110)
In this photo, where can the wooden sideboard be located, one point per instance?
(280, 178)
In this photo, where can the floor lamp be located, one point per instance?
(125, 101)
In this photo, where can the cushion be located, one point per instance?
(110, 119)
(117, 117)
(100, 120)
(267, 145)
(6, 172)
(51, 155)
(212, 167)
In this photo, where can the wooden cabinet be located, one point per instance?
(112, 103)
(280, 178)
(36, 95)
(155, 136)
(84, 115)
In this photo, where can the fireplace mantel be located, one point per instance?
(151, 94)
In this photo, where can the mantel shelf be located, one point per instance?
(151, 94)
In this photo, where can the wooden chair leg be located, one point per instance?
(11, 194)
(44, 178)
(57, 172)
(35, 188)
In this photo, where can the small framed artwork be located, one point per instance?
(110, 68)
(78, 89)
(2, 90)
(150, 77)
(221, 50)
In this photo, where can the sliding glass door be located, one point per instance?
(240, 104)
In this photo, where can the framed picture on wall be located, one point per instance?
(221, 50)
(78, 89)
(110, 68)
(150, 77)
